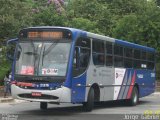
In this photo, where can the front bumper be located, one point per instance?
(60, 95)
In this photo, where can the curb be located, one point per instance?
(5, 100)
(156, 93)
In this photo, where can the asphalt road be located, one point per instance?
(106, 111)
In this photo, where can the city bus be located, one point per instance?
(67, 65)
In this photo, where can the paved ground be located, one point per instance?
(108, 111)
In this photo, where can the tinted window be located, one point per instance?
(150, 65)
(81, 56)
(137, 54)
(128, 52)
(118, 61)
(98, 52)
(143, 55)
(98, 46)
(128, 63)
(118, 50)
(109, 55)
(137, 64)
(108, 48)
(150, 56)
(84, 57)
(109, 60)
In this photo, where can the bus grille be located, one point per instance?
(50, 97)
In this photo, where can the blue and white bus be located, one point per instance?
(67, 65)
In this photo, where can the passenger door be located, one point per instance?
(80, 64)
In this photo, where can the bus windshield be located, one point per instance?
(42, 58)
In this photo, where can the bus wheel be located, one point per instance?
(88, 106)
(134, 97)
(43, 105)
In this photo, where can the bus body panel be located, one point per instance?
(102, 77)
(75, 35)
(78, 89)
(146, 81)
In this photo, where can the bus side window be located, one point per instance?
(81, 56)
(84, 59)
(118, 56)
(137, 59)
(128, 57)
(98, 52)
(109, 54)
(150, 60)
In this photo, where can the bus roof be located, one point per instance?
(93, 35)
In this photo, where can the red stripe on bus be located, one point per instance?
(131, 86)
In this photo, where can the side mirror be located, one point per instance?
(11, 45)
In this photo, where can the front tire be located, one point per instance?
(88, 106)
(43, 105)
(134, 97)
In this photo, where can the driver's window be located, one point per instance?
(81, 56)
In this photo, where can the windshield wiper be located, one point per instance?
(31, 53)
(43, 54)
(49, 49)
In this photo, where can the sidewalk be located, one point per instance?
(6, 100)
(2, 99)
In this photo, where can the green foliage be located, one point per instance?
(158, 2)
(137, 21)
(14, 15)
(84, 24)
(4, 68)
(49, 17)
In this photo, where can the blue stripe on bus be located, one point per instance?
(78, 92)
(132, 45)
(146, 82)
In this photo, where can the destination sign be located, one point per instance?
(46, 34)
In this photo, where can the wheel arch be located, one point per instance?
(96, 89)
(137, 86)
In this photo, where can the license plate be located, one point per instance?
(36, 94)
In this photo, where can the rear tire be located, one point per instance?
(88, 106)
(134, 97)
(43, 105)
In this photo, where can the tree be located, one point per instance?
(158, 2)
(84, 24)
(49, 17)
(14, 15)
